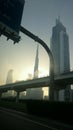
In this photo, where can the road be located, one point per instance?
(13, 120)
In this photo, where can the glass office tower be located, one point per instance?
(60, 49)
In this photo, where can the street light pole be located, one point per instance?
(37, 39)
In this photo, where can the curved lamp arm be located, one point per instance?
(37, 39)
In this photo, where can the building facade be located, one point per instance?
(9, 80)
(60, 50)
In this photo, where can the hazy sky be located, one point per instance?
(38, 17)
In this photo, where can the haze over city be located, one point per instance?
(36, 84)
(38, 17)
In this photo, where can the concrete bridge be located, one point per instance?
(60, 82)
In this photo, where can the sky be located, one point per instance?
(39, 17)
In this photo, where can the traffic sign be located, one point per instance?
(10, 18)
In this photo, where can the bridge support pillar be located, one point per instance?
(52, 85)
(51, 91)
(0, 95)
(67, 94)
(17, 97)
(56, 95)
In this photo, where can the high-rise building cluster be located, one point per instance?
(59, 46)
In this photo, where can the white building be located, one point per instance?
(9, 79)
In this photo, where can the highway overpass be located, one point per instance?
(60, 82)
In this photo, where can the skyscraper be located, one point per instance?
(36, 71)
(9, 77)
(35, 93)
(60, 50)
(8, 81)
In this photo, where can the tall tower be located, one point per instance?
(35, 93)
(60, 50)
(9, 77)
(36, 71)
(8, 81)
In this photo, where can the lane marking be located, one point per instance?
(19, 116)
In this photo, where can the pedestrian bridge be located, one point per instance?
(60, 82)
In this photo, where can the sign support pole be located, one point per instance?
(37, 39)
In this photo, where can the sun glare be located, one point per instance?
(26, 74)
(42, 73)
(23, 76)
(29, 73)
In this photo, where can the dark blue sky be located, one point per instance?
(38, 17)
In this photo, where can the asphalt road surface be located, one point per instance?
(13, 120)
